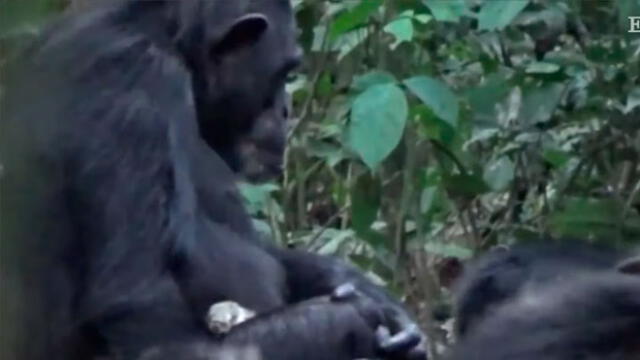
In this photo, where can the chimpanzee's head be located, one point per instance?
(239, 53)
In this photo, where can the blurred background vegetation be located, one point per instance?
(427, 131)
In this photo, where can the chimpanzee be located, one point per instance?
(122, 137)
(261, 152)
(595, 316)
(499, 275)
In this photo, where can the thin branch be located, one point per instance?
(326, 225)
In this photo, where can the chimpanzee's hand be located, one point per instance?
(399, 337)
(342, 326)
(310, 275)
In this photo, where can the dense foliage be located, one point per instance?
(430, 130)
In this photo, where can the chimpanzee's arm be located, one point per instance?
(320, 329)
(316, 330)
(310, 275)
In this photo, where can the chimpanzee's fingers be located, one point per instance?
(397, 336)
(418, 352)
(400, 342)
(404, 329)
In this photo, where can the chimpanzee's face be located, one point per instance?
(261, 151)
(245, 74)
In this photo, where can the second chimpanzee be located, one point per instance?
(595, 315)
(500, 275)
(121, 140)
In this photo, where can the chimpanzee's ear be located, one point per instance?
(630, 266)
(244, 31)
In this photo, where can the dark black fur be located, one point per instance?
(498, 276)
(261, 152)
(120, 220)
(595, 316)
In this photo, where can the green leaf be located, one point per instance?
(365, 198)
(483, 135)
(428, 198)
(19, 16)
(448, 250)
(256, 196)
(633, 100)
(591, 217)
(299, 84)
(437, 96)
(557, 158)
(484, 98)
(401, 28)
(539, 103)
(350, 19)
(497, 14)
(378, 118)
(333, 240)
(349, 41)
(542, 68)
(324, 87)
(319, 38)
(263, 227)
(587, 210)
(423, 18)
(332, 153)
(433, 127)
(499, 174)
(363, 82)
(449, 10)
(466, 185)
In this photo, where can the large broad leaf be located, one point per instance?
(350, 19)
(484, 98)
(539, 103)
(363, 82)
(449, 10)
(378, 118)
(401, 28)
(496, 14)
(432, 126)
(437, 96)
